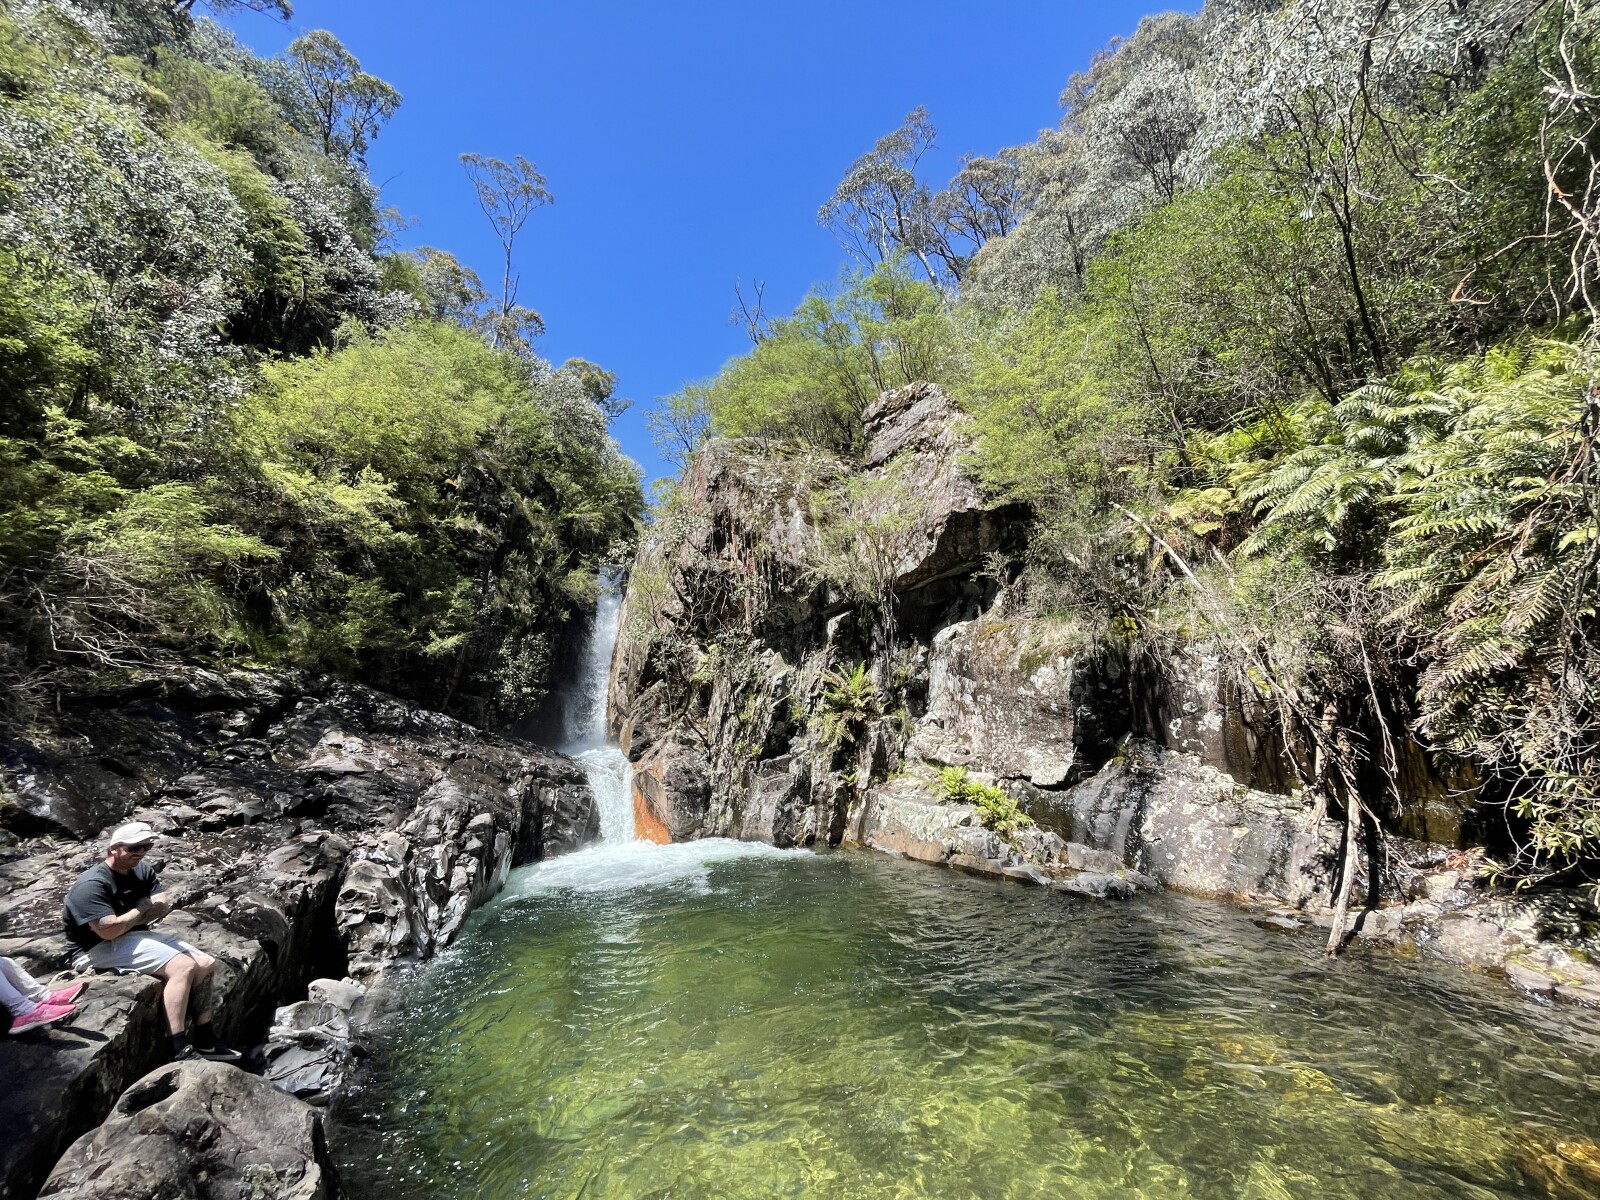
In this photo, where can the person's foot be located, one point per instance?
(41, 1014)
(65, 995)
(187, 1054)
(218, 1051)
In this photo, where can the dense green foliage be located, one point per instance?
(1250, 335)
(1464, 492)
(850, 703)
(812, 374)
(996, 809)
(231, 423)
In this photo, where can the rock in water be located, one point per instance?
(203, 1130)
(310, 1052)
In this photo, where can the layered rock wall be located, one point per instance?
(726, 689)
(314, 830)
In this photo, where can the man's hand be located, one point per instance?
(153, 908)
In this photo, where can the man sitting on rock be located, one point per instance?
(107, 914)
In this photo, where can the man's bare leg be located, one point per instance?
(176, 977)
(200, 986)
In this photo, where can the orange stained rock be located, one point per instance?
(647, 823)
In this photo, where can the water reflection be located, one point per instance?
(754, 1023)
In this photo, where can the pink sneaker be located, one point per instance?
(65, 995)
(41, 1014)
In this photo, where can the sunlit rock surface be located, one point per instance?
(313, 830)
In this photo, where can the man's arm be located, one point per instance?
(149, 909)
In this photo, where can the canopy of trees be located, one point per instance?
(232, 424)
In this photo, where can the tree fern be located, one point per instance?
(1469, 491)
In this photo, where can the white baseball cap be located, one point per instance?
(134, 833)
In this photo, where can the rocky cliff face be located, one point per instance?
(733, 642)
(729, 693)
(729, 633)
(321, 830)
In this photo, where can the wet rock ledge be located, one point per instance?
(320, 831)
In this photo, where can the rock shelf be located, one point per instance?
(316, 829)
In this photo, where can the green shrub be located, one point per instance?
(996, 809)
(850, 703)
(812, 374)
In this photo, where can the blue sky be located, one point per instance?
(688, 146)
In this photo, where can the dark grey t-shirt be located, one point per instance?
(100, 893)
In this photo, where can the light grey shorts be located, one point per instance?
(140, 950)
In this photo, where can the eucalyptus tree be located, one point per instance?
(1060, 218)
(343, 105)
(1569, 142)
(508, 194)
(984, 201)
(1124, 143)
(881, 207)
(282, 9)
(451, 290)
(1137, 106)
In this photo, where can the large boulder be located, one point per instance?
(917, 434)
(1020, 699)
(61, 1080)
(202, 1130)
(728, 630)
(904, 817)
(1195, 828)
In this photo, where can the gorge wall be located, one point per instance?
(730, 696)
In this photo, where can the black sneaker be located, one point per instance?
(218, 1051)
(187, 1054)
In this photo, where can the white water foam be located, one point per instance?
(627, 866)
(617, 862)
(611, 780)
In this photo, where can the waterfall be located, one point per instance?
(584, 718)
(616, 863)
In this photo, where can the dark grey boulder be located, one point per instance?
(203, 1130)
(312, 1049)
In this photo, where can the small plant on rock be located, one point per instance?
(996, 809)
(849, 704)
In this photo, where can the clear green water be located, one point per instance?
(714, 1021)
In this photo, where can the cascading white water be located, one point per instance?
(584, 719)
(616, 863)
(584, 707)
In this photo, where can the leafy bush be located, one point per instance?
(428, 507)
(996, 809)
(812, 374)
(223, 429)
(850, 703)
(1468, 489)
